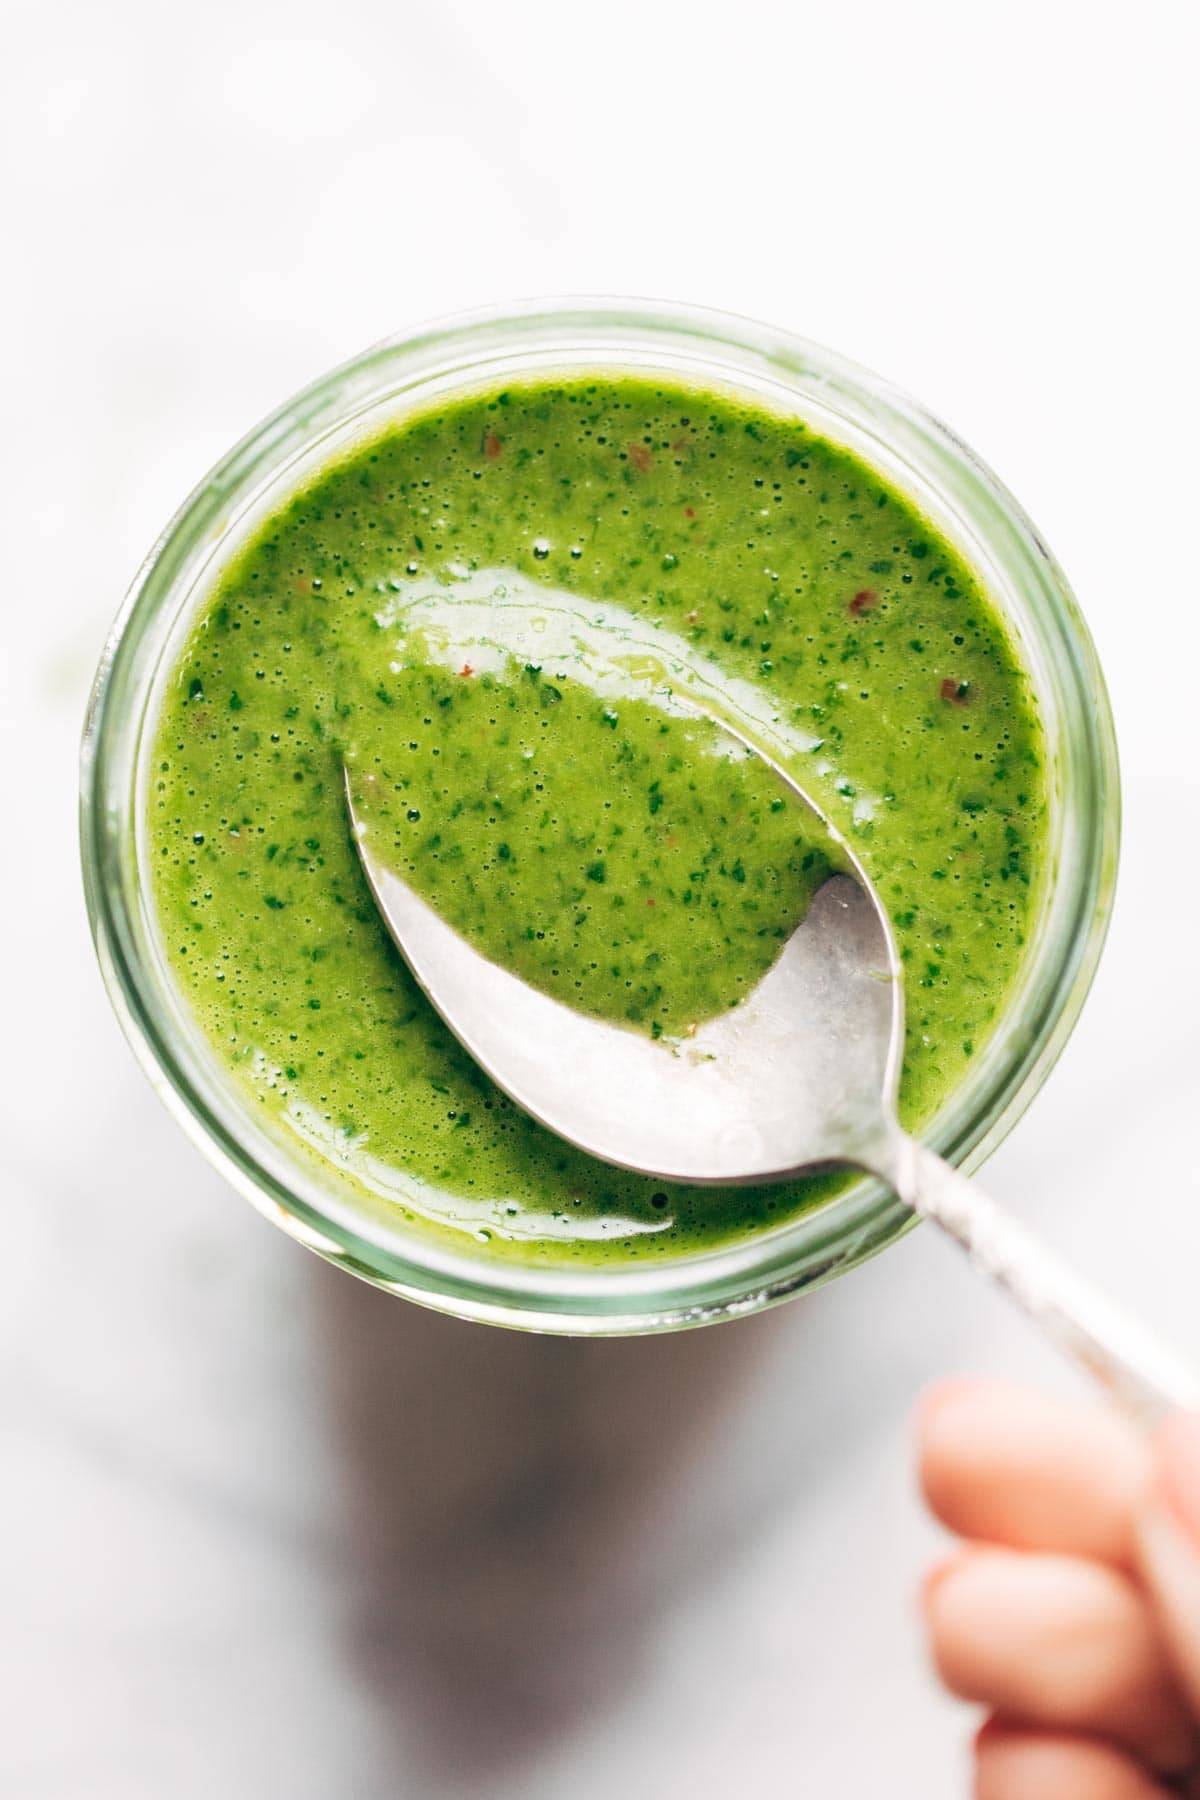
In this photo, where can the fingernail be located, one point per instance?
(1177, 1448)
(940, 1394)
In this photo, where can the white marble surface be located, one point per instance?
(267, 1532)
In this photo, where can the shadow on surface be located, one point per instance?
(516, 1511)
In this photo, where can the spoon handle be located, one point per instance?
(1144, 1376)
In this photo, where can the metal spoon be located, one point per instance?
(802, 1075)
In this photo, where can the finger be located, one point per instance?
(1059, 1642)
(1168, 1536)
(1013, 1762)
(1011, 1466)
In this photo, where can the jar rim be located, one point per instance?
(715, 348)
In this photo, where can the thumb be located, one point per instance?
(1168, 1546)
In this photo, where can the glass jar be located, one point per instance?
(789, 375)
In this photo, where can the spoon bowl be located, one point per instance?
(800, 1075)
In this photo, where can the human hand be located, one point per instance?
(1071, 1610)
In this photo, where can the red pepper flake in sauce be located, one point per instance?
(640, 457)
(956, 692)
(862, 602)
(466, 669)
(650, 900)
(491, 445)
(689, 512)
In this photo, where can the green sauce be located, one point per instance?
(607, 853)
(507, 620)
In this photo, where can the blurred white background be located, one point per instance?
(264, 1531)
